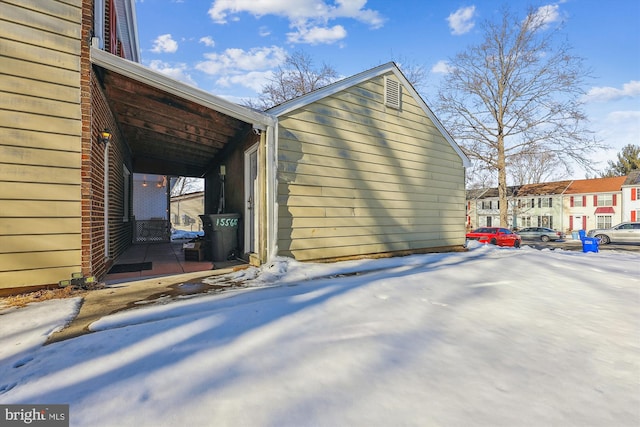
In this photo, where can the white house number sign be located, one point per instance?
(226, 222)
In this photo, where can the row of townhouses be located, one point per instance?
(563, 205)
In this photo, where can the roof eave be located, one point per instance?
(157, 80)
(465, 160)
(330, 89)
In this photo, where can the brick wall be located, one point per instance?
(96, 116)
(94, 258)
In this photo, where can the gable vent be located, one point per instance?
(392, 93)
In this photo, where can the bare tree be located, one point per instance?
(478, 176)
(186, 185)
(294, 78)
(532, 168)
(415, 72)
(517, 94)
(298, 76)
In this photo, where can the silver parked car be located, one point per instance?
(624, 232)
(540, 233)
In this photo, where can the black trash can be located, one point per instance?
(220, 234)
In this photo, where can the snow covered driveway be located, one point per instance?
(482, 338)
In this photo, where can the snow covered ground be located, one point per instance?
(493, 336)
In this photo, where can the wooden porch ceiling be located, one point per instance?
(168, 135)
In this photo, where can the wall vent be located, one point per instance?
(392, 92)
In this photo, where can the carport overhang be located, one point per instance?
(172, 128)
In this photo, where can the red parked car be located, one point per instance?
(495, 236)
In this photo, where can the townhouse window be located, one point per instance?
(603, 221)
(545, 202)
(525, 221)
(577, 201)
(604, 200)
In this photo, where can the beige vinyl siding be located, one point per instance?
(191, 205)
(40, 142)
(356, 178)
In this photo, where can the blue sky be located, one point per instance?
(229, 47)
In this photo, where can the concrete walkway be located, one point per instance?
(127, 295)
(165, 258)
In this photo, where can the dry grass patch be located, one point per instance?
(22, 300)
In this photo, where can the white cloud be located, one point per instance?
(441, 67)
(617, 129)
(632, 117)
(300, 10)
(264, 31)
(164, 44)
(607, 93)
(207, 41)
(461, 21)
(233, 61)
(254, 80)
(317, 35)
(250, 69)
(308, 18)
(548, 14)
(175, 71)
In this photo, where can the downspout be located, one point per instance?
(106, 200)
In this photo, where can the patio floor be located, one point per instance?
(165, 258)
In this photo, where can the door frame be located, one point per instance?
(251, 201)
